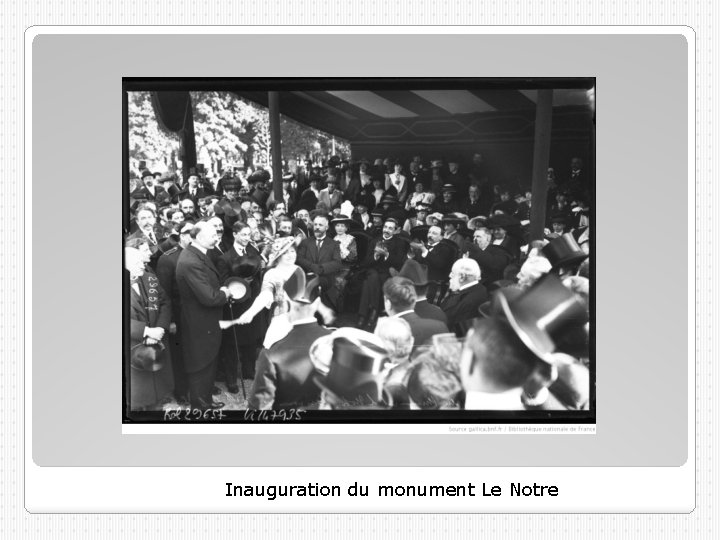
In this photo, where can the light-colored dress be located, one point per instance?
(274, 282)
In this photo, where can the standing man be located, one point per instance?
(202, 301)
(166, 269)
(149, 231)
(242, 260)
(331, 196)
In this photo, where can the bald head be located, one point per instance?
(204, 235)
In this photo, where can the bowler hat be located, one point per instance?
(145, 173)
(564, 251)
(542, 314)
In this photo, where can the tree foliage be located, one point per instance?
(227, 129)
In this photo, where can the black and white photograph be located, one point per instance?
(359, 250)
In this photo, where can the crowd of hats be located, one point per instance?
(351, 365)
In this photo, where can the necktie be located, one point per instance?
(151, 235)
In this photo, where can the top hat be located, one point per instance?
(239, 289)
(415, 272)
(356, 372)
(542, 314)
(246, 267)
(192, 171)
(564, 251)
(299, 289)
(419, 232)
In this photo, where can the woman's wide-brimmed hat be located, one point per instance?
(280, 246)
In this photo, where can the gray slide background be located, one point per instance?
(641, 251)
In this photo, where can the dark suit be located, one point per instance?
(324, 262)
(284, 372)
(202, 304)
(426, 310)
(462, 306)
(378, 270)
(166, 268)
(439, 261)
(154, 247)
(148, 309)
(243, 340)
(200, 193)
(423, 329)
(160, 197)
(492, 261)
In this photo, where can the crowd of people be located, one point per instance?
(373, 285)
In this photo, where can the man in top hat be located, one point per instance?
(202, 300)
(243, 261)
(446, 204)
(331, 197)
(320, 255)
(418, 274)
(465, 296)
(492, 259)
(283, 379)
(388, 251)
(166, 270)
(400, 299)
(504, 355)
(193, 189)
(438, 255)
(151, 190)
(564, 254)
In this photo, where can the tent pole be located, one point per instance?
(541, 159)
(275, 148)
